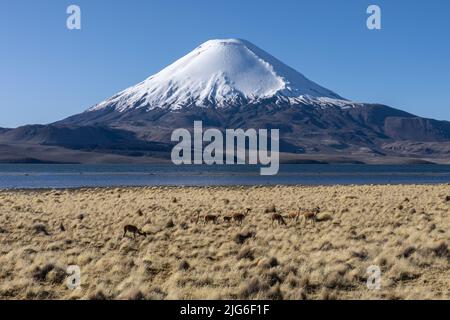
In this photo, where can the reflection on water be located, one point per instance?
(71, 176)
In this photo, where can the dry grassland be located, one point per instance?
(405, 230)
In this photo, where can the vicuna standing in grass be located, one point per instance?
(294, 216)
(211, 218)
(134, 230)
(311, 214)
(227, 219)
(278, 218)
(239, 217)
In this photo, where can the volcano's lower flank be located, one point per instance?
(182, 251)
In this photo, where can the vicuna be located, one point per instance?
(239, 217)
(278, 218)
(134, 230)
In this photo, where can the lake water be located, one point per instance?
(72, 176)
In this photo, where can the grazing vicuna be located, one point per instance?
(278, 218)
(134, 230)
(239, 217)
(311, 214)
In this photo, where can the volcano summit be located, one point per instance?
(219, 73)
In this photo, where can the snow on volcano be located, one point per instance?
(221, 73)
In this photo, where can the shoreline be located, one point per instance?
(75, 177)
(231, 187)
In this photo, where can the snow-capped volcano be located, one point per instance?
(232, 84)
(220, 73)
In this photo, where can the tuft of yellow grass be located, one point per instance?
(402, 229)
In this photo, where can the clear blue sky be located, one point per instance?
(48, 72)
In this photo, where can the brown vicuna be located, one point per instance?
(211, 218)
(134, 230)
(239, 217)
(227, 219)
(278, 218)
(311, 214)
(294, 216)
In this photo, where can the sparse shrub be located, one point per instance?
(360, 254)
(273, 262)
(204, 281)
(241, 237)
(440, 250)
(299, 294)
(30, 294)
(245, 253)
(127, 248)
(184, 225)
(98, 295)
(402, 271)
(170, 224)
(132, 294)
(292, 281)
(326, 246)
(407, 252)
(56, 276)
(271, 209)
(252, 287)
(40, 274)
(381, 261)
(40, 228)
(326, 294)
(273, 278)
(156, 293)
(406, 275)
(275, 293)
(268, 263)
(322, 217)
(334, 280)
(397, 224)
(44, 295)
(184, 265)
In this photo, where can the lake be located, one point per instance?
(73, 176)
